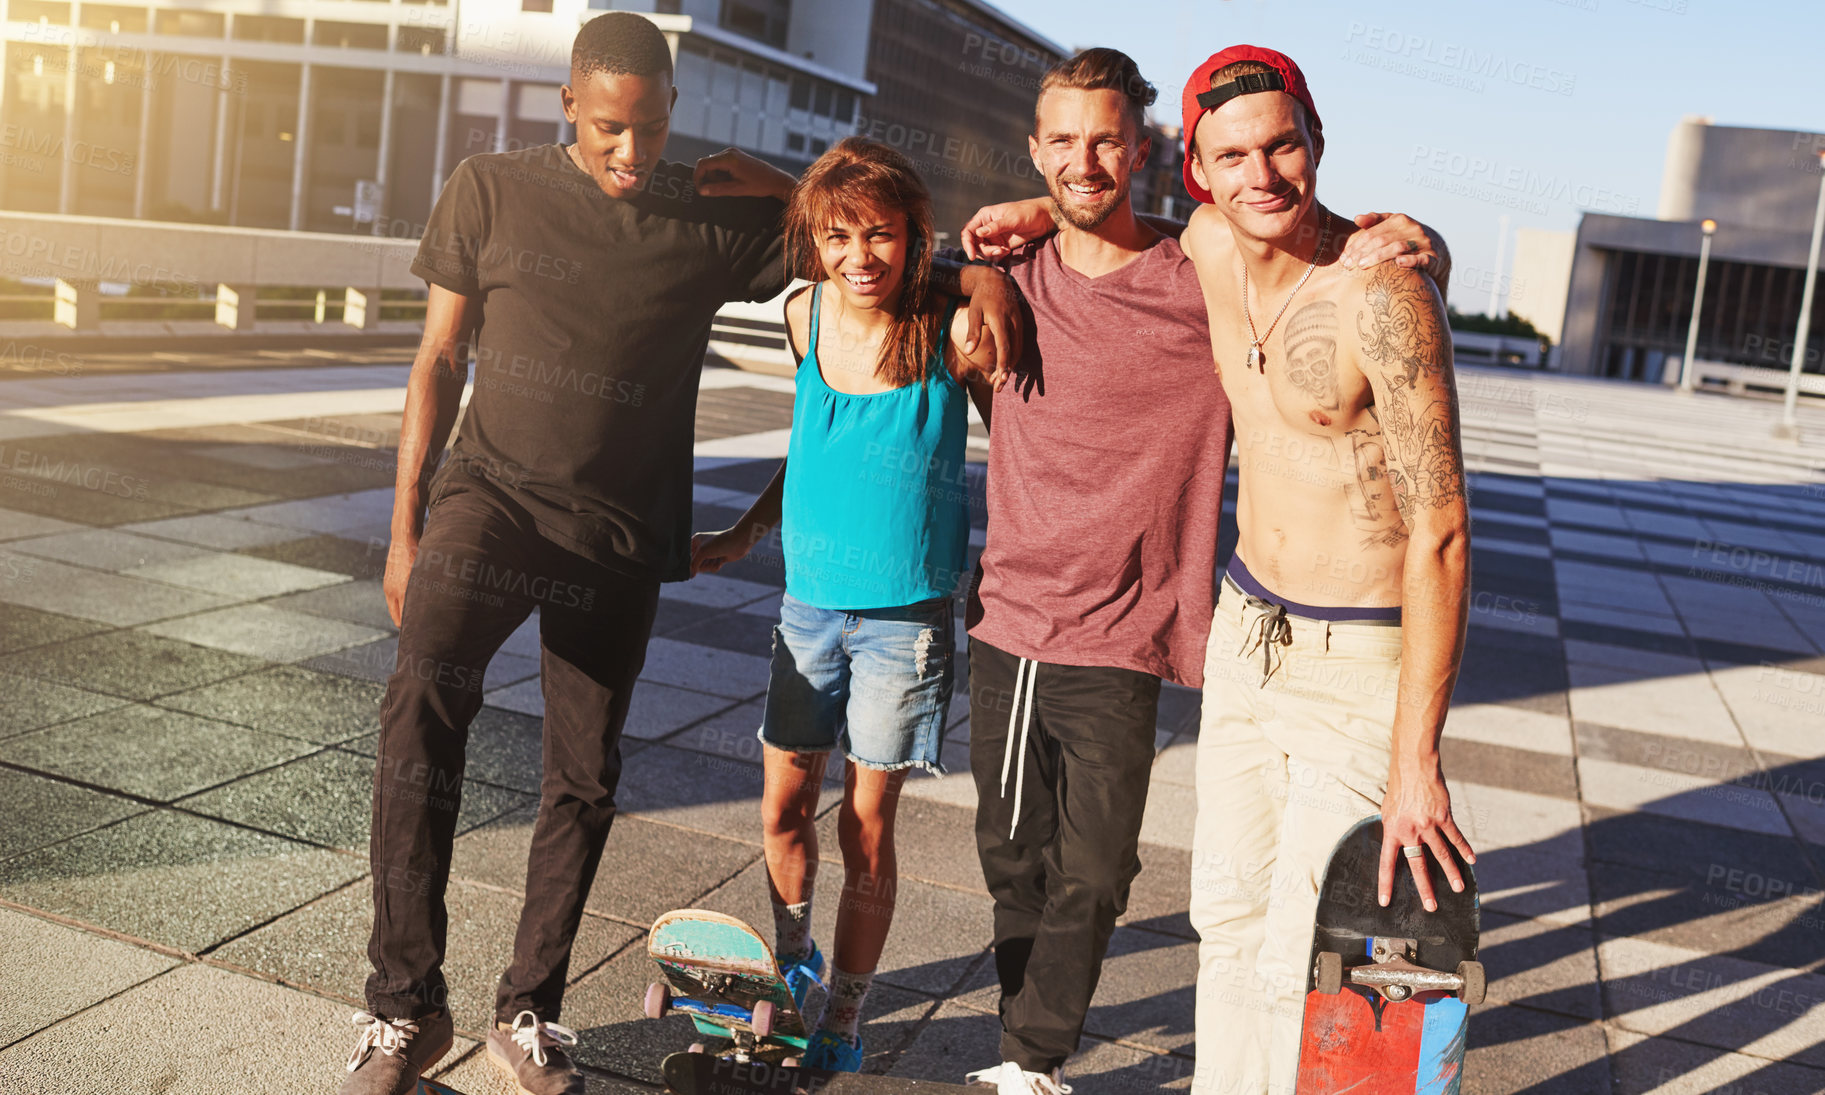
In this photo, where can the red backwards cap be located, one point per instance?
(1199, 96)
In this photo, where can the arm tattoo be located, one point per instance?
(1311, 353)
(1376, 501)
(1402, 332)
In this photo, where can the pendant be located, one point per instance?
(1254, 357)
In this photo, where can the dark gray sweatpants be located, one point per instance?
(1059, 869)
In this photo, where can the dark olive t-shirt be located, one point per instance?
(596, 313)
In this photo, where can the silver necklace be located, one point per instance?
(1257, 359)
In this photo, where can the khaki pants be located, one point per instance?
(1284, 769)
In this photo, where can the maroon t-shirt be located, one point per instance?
(1105, 473)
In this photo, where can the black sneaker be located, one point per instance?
(533, 1054)
(393, 1053)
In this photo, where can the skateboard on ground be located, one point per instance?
(432, 1087)
(710, 1074)
(723, 975)
(1388, 989)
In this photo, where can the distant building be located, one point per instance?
(1159, 188)
(337, 116)
(329, 115)
(956, 82)
(1631, 282)
(1541, 272)
(780, 78)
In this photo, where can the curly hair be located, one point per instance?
(620, 43)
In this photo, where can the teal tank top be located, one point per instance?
(876, 506)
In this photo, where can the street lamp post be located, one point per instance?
(1709, 227)
(1790, 425)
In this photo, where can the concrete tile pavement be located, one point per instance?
(1633, 749)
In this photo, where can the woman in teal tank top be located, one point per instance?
(873, 511)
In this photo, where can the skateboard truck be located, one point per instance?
(1392, 973)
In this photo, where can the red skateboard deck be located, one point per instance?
(1388, 989)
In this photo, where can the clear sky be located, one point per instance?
(1461, 111)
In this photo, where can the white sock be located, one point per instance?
(792, 930)
(843, 1011)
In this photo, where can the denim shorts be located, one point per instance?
(874, 682)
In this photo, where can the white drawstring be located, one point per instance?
(387, 1035)
(533, 1036)
(1026, 671)
(1007, 755)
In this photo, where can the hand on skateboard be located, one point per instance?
(1390, 983)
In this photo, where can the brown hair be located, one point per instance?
(1102, 69)
(851, 182)
(1249, 68)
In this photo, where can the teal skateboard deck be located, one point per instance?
(722, 974)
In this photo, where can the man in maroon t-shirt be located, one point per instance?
(1105, 492)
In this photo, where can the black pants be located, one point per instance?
(482, 568)
(1061, 878)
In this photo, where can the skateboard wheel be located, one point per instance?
(1474, 985)
(658, 1000)
(698, 1047)
(1328, 973)
(761, 1018)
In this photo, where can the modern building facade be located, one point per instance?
(1632, 280)
(1541, 271)
(349, 115)
(956, 81)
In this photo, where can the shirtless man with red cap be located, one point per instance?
(1340, 623)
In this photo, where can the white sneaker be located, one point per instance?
(1010, 1079)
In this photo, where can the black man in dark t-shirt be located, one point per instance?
(585, 279)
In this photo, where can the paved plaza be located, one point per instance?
(192, 640)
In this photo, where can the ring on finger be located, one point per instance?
(1413, 851)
